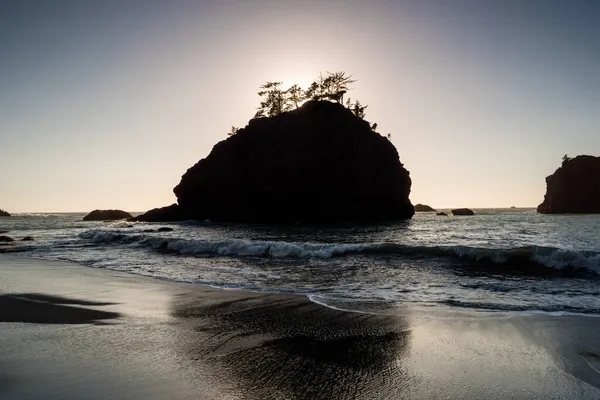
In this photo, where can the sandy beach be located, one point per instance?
(72, 332)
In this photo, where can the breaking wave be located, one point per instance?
(513, 259)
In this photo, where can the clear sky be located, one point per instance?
(105, 104)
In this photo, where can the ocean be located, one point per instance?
(498, 261)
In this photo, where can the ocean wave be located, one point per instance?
(514, 259)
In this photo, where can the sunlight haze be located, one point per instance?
(105, 104)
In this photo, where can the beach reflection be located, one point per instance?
(273, 346)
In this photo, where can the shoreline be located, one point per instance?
(94, 333)
(437, 311)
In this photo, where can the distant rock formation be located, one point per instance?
(106, 215)
(574, 188)
(317, 164)
(423, 208)
(441, 213)
(462, 211)
(4, 213)
(164, 214)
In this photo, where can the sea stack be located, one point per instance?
(4, 213)
(574, 188)
(317, 164)
(106, 215)
(423, 208)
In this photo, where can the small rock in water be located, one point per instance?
(27, 239)
(106, 215)
(164, 248)
(462, 211)
(6, 239)
(423, 208)
(441, 213)
(164, 229)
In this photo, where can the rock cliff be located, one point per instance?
(317, 164)
(4, 213)
(573, 188)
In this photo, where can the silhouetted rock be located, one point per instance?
(164, 248)
(164, 214)
(317, 164)
(574, 188)
(423, 208)
(462, 211)
(441, 213)
(6, 239)
(164, 229)
(4, 213)
(106, 215)
(27, 239)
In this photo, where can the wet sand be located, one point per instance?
(71, 332)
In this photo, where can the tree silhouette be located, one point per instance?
(233, 131)
(273, 100)
(336, 85)
(565, 159)
(316, 89)
(332, 87)
(358, 109)
(295, 95)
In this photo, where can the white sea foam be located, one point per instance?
(535, 255)
(483, 263)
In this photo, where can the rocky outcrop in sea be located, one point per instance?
(4, 213)
(462, 211)
(423, 208)
(574, 188)
(106, 215)
(317, 164)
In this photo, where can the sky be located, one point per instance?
(105, 104)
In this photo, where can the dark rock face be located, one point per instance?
(106, 215)
(316, 164)
(574, 188)
(4, 213)
(441, 213)
(462, 211)
(164, 214)
(423, 208)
